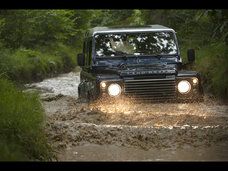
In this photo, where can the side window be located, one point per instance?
(90, 51)
(84, 49)
(87, 50)
(84, 46)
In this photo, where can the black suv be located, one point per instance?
(140, 63)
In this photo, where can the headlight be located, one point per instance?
(184, 87)
(114, 90)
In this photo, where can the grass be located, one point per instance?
(22, 125)
(26, 65)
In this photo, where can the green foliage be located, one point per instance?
(27, 28)
(212, 63)
(113, 18)
(34, 44)
(155, 17)
(22, 135)
(24, 65)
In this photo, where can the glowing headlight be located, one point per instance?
(195, 80)
(114, 90)
(184, 87)
(103, 84)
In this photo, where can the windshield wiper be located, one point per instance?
(120, 53)
(153, 55)
(156, 55)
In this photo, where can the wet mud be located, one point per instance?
(127, 131)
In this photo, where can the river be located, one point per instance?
(131, 132)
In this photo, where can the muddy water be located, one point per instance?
(127, 131)
(95, 152)
(63, 85)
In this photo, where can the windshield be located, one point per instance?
(147, 43)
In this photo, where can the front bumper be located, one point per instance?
(155, 90)
(105, 98)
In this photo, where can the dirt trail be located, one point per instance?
(128, 131)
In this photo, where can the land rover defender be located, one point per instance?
(140, 63)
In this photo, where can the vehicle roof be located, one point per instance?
(156, 27)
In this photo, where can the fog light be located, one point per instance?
(114, 90)
(195, 80)
(184, 87)
(103, 84)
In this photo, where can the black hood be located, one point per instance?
(125, 70)
(143, 65)
(147, 69)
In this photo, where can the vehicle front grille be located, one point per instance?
(150, 89)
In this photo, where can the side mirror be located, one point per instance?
(81, 59)
(191, 55)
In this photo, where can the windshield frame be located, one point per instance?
(132, 55)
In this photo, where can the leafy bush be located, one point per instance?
(22, 135)
(31, 27)
(212, 63)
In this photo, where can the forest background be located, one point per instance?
(35, 44)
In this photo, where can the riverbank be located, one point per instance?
(23, 121)
(22, 125)
(24, 65)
